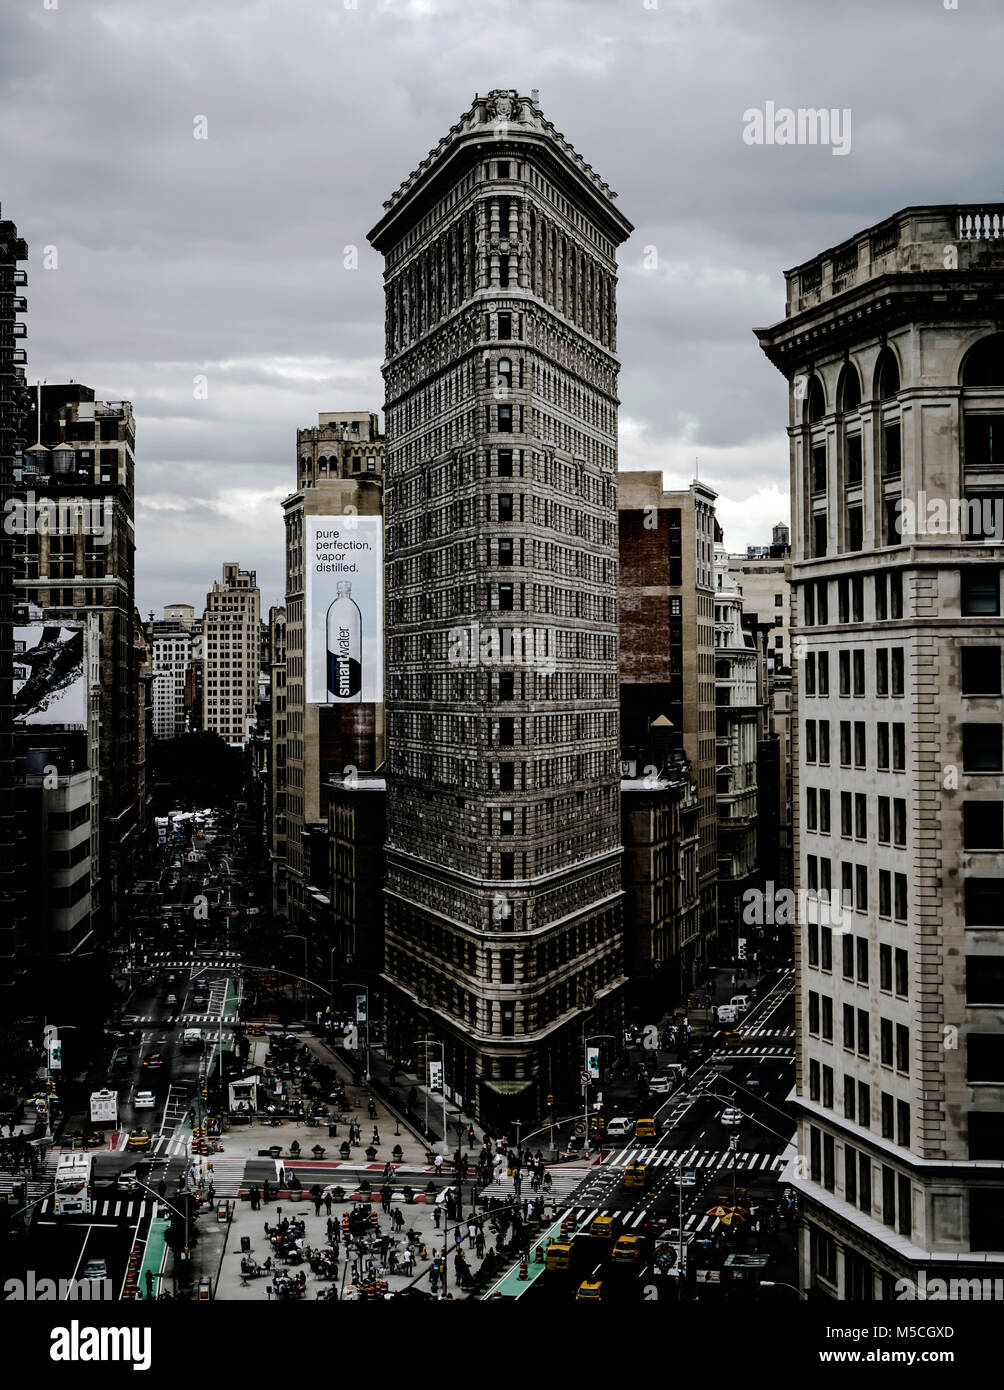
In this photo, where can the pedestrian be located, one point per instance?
(470, 1136)
(439, 1163)
(437, 1215)
(479, 1244)
(317, 1203)
(327, 1202)
(371, 1107)
(458, 1238)
(472, 1234)
(330, 1226)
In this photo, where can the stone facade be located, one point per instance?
(231, 654)
(896, 365)
(503, 858)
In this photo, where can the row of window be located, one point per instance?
(981, 746)
(856, 1034)
(891, 828)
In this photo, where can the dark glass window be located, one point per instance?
(981, 670)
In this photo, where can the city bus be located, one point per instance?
(72, 1196)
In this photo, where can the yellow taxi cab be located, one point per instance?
(645, 1129)
(138, 1139)
(627, 1249)
(636, 1175)
(559, 1256)
(733, 1039)
(590, 1288)
(603, 1227)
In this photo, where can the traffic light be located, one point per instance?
(205, 1093)
(550, 1098)
(742, 948)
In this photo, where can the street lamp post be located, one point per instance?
(586, 1076)
(442, 1047)
(778, 1284)
(298, 936)
(67, 1028)
(357, 984)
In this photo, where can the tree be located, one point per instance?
(20, 1059)
(199, 768)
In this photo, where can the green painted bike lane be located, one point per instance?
(511, 1285)
(154, 1255)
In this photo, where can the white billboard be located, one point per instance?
(49, 679)
(343, 584)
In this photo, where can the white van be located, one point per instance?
(620, 1128)
(727, 1013)
(740, 1002)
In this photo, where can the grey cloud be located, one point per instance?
(177, 254)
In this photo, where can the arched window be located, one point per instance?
(848, 389)
(984, 363)
(815, 402)
(322, 465)
(505, 371)
(886, 375)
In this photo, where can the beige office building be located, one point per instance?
(892, 348)
(231, 654)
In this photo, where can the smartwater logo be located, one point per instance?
(780, 125)
(76, 1343)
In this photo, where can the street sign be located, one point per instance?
(435, 1076)
(580, 1127)
(55, 1055)
(585, 1078)
(360, 1008)
(593, 1063)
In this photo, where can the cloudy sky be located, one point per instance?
(222, 258)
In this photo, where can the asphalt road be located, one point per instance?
(692, 1137)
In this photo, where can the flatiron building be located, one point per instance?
(503, 889)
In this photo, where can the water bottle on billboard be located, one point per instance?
(345, 647)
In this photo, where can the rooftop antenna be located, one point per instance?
(697, 469)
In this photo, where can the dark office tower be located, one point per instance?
(13, 414)
(503, 926)
(83, 463)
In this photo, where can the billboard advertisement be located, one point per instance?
(50, 685)
(343, 593)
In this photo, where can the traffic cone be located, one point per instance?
(524, 1272)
